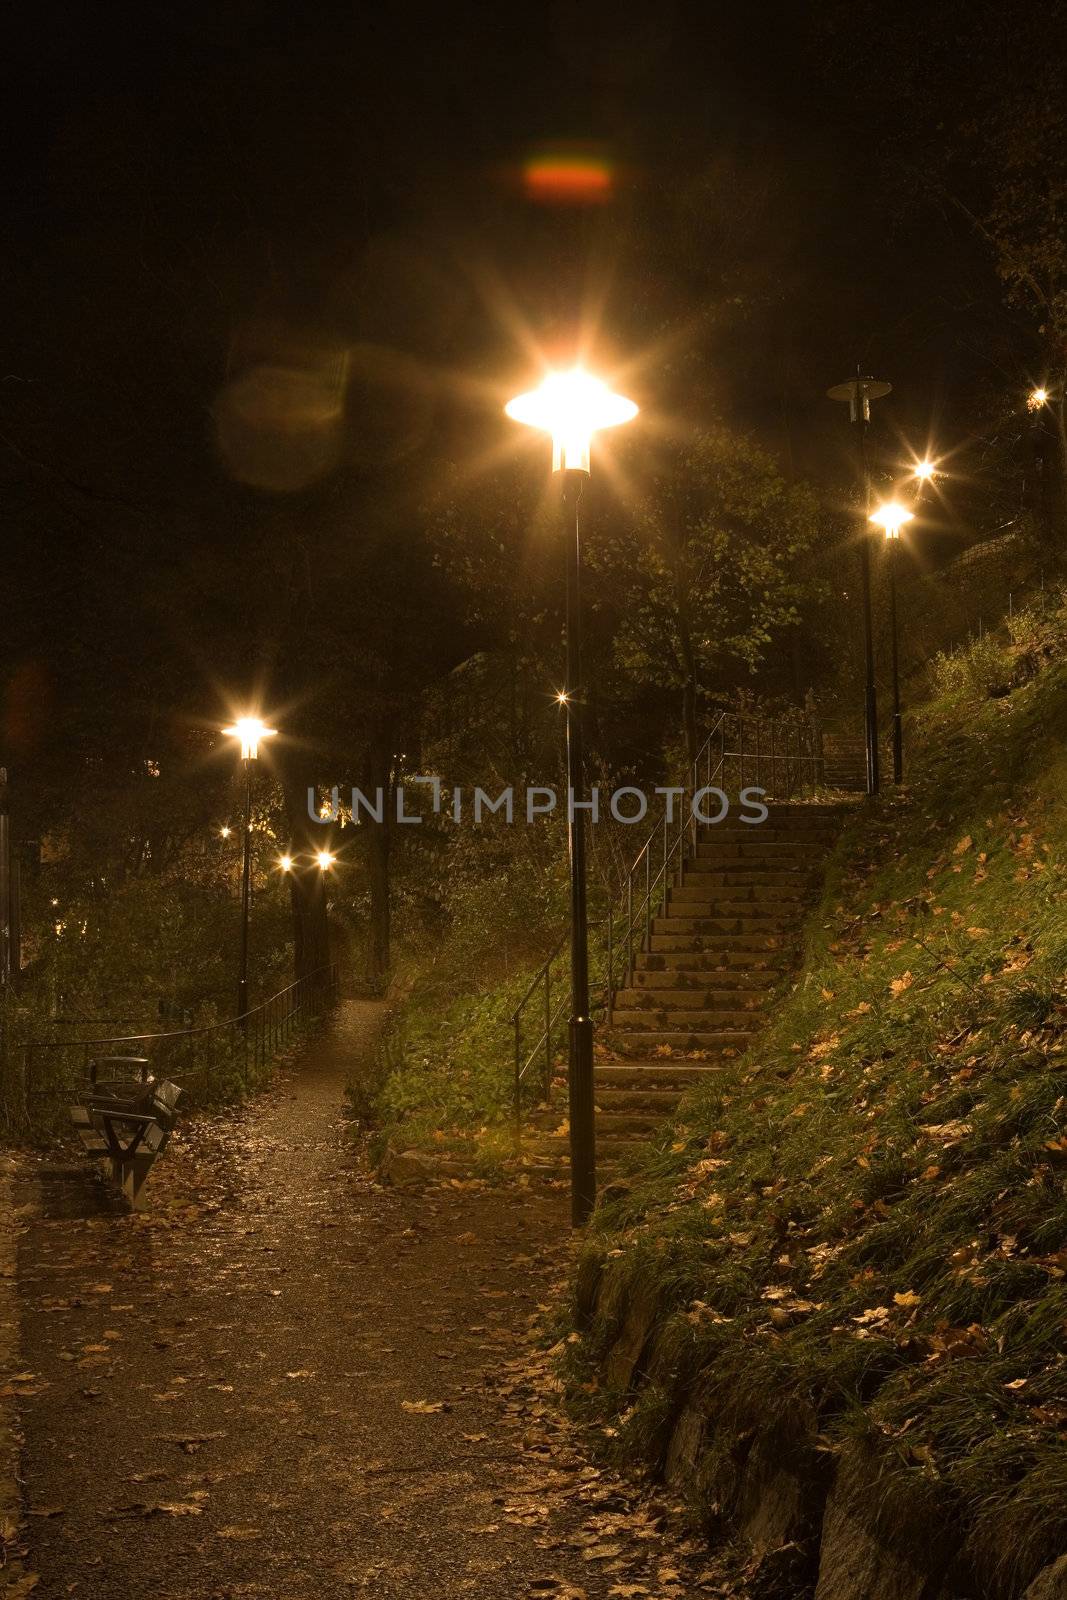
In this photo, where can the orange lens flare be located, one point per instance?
(564, 180)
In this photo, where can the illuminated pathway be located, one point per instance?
(236, 1394)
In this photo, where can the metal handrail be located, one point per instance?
(258, 1034)
(781, 756)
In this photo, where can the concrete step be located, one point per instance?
(761, 947)
(698, 892)
(730, 966)
(642, 1072)
(705, 988)
(612, 1121)
(725, 922)
(769, 853)
(648, 1022)
(656, 1102)
(702, 876)
(691, 997)
(814, 841)
(717, 1041)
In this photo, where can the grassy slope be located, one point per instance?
(869, 1214)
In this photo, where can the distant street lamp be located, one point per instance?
(571, 407)
(1036, 399)
(285, 863)
(249, 731)
(859, 392)
(325, 859)
(924, 471)
(891, 517)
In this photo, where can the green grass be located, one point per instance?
(875, 1197)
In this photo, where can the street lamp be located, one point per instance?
(325, 859)
(571, 407)
(859, 392)
(891, 517)
(1036, 399)
(924, 471)
(249, 731)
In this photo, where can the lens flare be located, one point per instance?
(568, 178)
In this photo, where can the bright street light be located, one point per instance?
(924, 471)
(285, 863)
(224, 832)
(1036, 399)
(250, 731)
(891, 517)
(325, 859)
(571, 407)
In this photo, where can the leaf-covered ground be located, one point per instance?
(284, 1380)
(868, 1214)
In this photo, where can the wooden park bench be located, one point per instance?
(126, 1118)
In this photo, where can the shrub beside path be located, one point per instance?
(285, 1380)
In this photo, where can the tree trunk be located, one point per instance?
(689, 718)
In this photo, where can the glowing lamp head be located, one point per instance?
(249, 730)
(1036, 399)
(224, 832)
(571, 406)
(325, 859)
(285, 863)
(891, 518)
(925, 470)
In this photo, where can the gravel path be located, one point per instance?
(240, 1391)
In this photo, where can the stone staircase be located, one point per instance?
(698, 994)
(845, 762)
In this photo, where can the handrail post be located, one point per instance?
(517, 1086)
(548, 1030)
(664, 891)
(629, 926)
(648, 896)
(609, 988)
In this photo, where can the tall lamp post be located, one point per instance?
(572, 406)
(859, 392)
(249, 730)
(891, 517)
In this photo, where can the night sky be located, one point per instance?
(201, 196)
